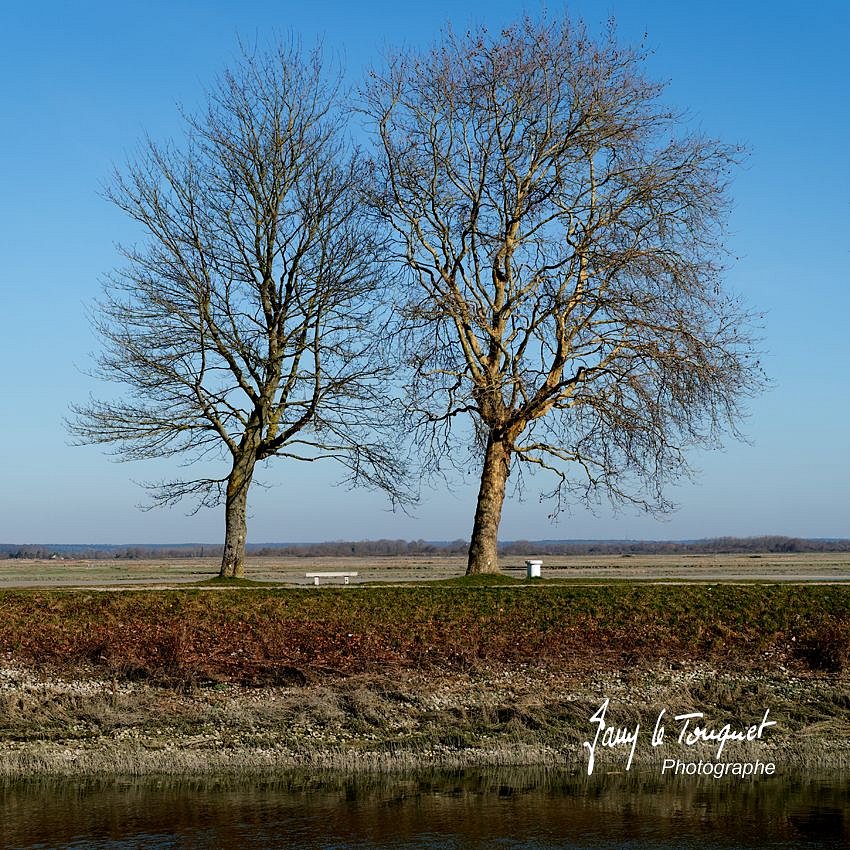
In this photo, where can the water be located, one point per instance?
(517, 809)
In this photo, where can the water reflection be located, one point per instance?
(528, 809)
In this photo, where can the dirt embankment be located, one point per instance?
(176, 681)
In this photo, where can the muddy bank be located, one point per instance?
(80, 723)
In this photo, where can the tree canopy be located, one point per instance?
(243, 326)
(562, 237)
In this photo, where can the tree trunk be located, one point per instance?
(483, 548)
(235, 517)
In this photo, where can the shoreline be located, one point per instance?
(82, 725)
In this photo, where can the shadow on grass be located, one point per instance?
(480, 580)
(219, 581)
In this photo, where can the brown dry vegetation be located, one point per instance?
(262, 635)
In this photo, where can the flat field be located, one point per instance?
(808, 567)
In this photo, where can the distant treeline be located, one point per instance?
(396, 548)
(715, 546)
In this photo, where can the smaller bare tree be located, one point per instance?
(244, 327)
(563, 244)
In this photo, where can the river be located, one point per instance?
(473, 809)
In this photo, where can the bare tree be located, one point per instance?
(563, 243)
(243, 328)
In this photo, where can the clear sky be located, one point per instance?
(84, 81)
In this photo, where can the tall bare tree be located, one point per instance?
(563, 243)
(243, 327)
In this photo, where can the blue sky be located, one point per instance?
(83, 82)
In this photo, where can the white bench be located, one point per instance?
(317, 576)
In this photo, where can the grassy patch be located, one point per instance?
(260, 634)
